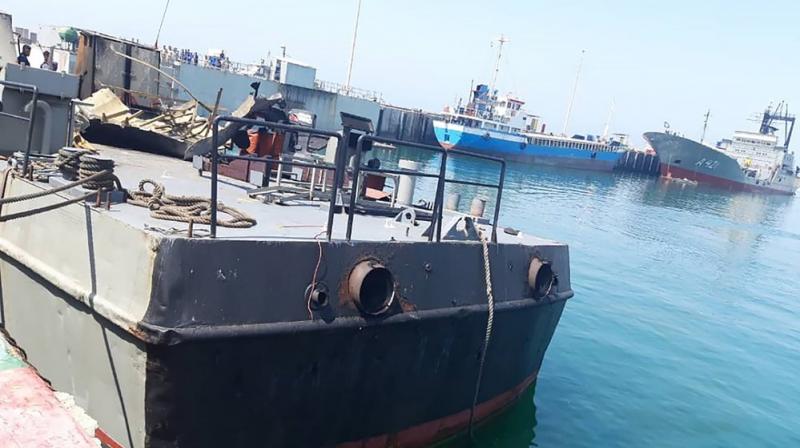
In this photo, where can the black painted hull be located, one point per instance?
(227, 355)
(324, 385)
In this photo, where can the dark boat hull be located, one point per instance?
(226, 355)
(404, 382)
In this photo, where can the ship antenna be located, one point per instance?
(788, 132)
(705, 125)
(502, 40)
(353, 49)
(608, 120)
(574, 91)
(164, 15)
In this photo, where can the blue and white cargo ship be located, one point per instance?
(496, 125)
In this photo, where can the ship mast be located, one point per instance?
(501, 40)
(705, 125)
(574, 91)
(353, 49)
(608, 121)
(161, 25)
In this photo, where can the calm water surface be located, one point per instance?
(684, 330)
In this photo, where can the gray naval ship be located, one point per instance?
(749, 161)
(182, 307)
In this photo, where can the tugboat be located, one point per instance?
(750, 161)
(181, 307)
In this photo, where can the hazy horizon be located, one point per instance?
(655, 63)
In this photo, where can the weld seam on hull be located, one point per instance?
(159, 335)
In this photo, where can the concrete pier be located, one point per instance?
(32, 414)
(638, 162)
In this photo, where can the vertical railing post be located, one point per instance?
(71, 123)
(438, 206)
(353, 192)
(497, 202)
(31, 122)
(214, 157)
(340, 147)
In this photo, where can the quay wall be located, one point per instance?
(407, 124)
(639, 162)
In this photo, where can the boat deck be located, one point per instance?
(299, 219)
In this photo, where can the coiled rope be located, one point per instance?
(489, 325)
(189, 209)
(91, 165)
(68, 162)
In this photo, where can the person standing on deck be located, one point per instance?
(22, 59)
(48, 63)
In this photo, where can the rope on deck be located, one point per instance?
(189, 209)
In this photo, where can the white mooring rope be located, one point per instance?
(489, 324)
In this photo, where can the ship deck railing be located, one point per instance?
(339, 168)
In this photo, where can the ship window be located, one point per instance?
(677, 161)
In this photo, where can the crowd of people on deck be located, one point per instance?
(190, 57)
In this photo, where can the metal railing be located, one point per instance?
(31, 118)
(438, 202)
(337, 168)
(355, 92)
(499, 185)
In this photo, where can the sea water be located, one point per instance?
(684, 330)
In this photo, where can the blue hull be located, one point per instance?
(511, 147)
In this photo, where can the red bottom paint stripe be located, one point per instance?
(106, 439)
(682, 173)
(426, 433)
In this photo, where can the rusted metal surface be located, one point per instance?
(371, 287)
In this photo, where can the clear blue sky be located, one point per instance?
(659, 60)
